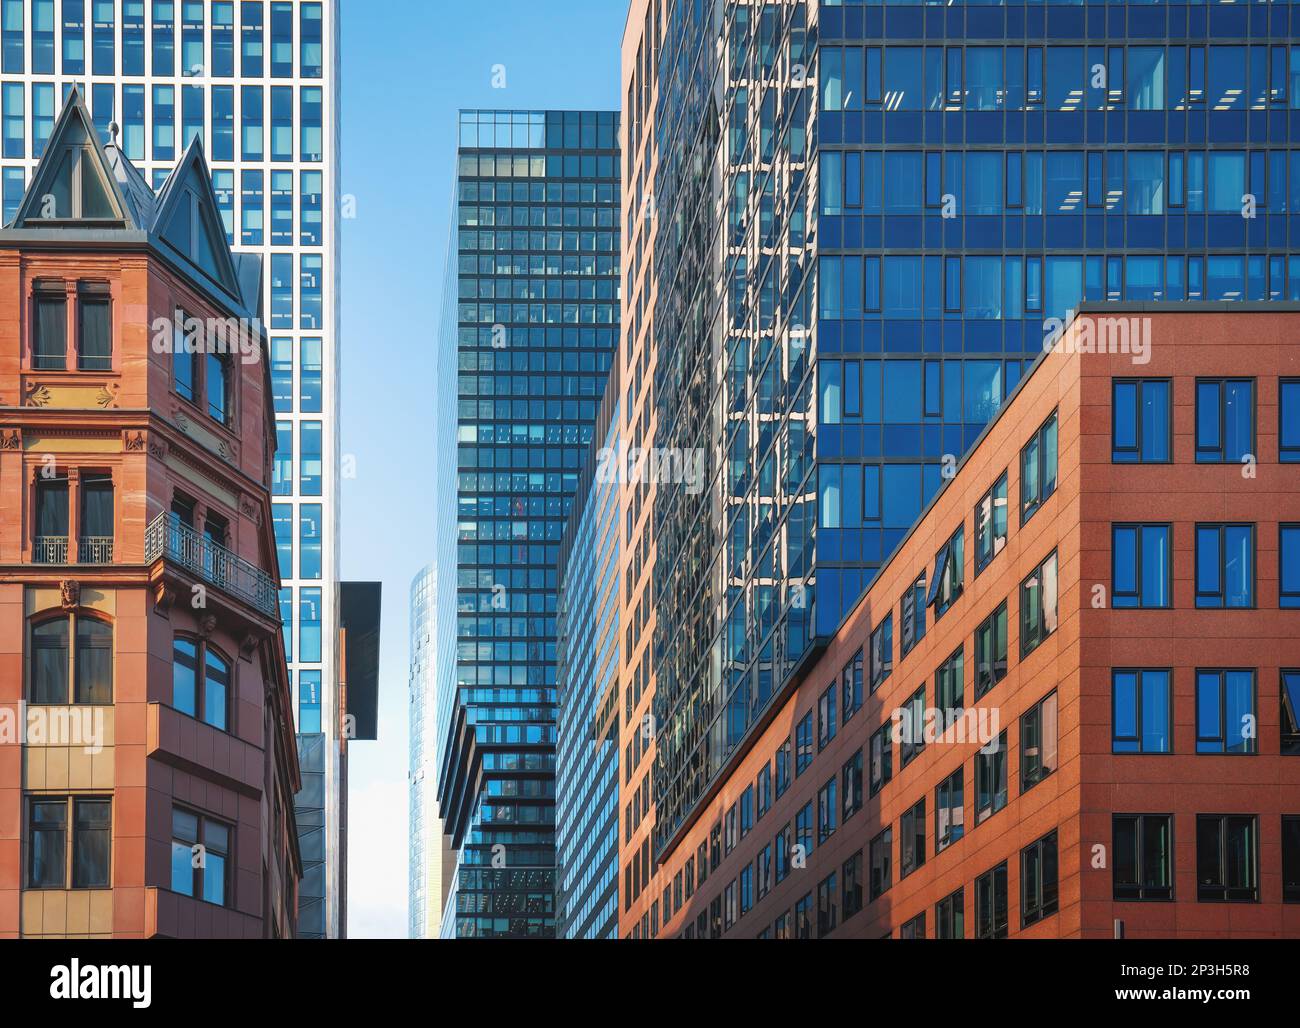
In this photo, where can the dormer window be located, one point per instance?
(77, 192)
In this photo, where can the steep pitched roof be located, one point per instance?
(75, 182)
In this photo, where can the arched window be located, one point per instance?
(200, 682)
(86, 666)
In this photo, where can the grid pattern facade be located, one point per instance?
(257, 81)
(537, 258)
(860, 248)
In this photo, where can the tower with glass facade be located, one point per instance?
(531, 334)
(865, 219)
(257, 81)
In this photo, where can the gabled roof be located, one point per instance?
(140, 199)
(188, 221)
(75, 183)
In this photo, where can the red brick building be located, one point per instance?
(1103, 606)
(147, 756)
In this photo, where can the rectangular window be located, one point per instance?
(252, 40)
(74, 37)
(1225, 566)
(311, 131)
(851, 785)
(882, 758)
(164, 123)
(882, 652)
(1290, 858)
(194, 836)
(1141, 425)
(803, 740)
(1288, 397)
(1144, 856)
(310, 45)
(763, 791)
(1038, 743)
(49, 345)
(950, 916)
(1039, 889)
(95, 331)
(1225, 420)
(310, 209)
(1225, 711)
(881, 848)
(1288, 571)
(991, 524)
(851, 874)
(43, 37)
(912, 616)
(1038, 606)
(746, 811)
(15, 119)
(949, 564)
(851, 686)
(309, 693)
(990, 779)
(282, 123)
(54, 860)
(1227, 858)
(11, 37)
(1038, 469)
(827, 811)
(949, 820)
(1141, 700)
(826, 720)
(911, 839)
(309, 626)
(252, 139)
(991, 904)
(781, 770)
(803, 829)
(42, 116)
(282, 40)
(311, 394)
(913, 929)
(1290, 712)
(310, 541)
(950, 685)
(164, 38)
(991, 651)
(1141, 568)
(311, 457)
(911, 728)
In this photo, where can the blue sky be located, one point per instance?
(408, 67)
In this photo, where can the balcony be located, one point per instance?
(50, 549)
(95, 550)
(172, 540)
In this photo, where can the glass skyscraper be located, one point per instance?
(258, 82)
(865, 217)
(533, 332)
(587, 745)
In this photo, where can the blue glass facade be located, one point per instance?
(536, 326)
(908, 196)
(587, 764)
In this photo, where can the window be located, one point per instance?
(912, 616)
(803, 744)
(827, 905)
(1038, 743)
(56, 862)
(851, 874)
(851, 680)
(1225, 566)
(1141, 711)
(1290, 712)
(827, 811)
(746, 891)
(217, 373)
(1225, 711)
(1038, 469)
(1288, 413)
(911, 728)
(782, 844)
(95, 333)
(1290, 859)
(311, 439)
(1141, 426)
(803, 917)
(200, 681)
(991, 651)
(1227, 858)
(764, 873)
(882, 758)
(991, 524)
(200, 856)
(949, 686)
(729, 837)
(881, 867)
(88, 666)
(911, 839)
(990, 779)
(950, 916)
(826, 722)
(185, 358)
(882, 652)
(1144, 856)
(1288, 571)
(746, 811)
(50, 327)
(50, 545)
(946, 585)
(1039, 896)
(1225, 420)
(991, 904)
(1140, 566)
(782, 772)
(913, 929)
(851, 782)
(803, 830)
(1038, 598)
(949, 820)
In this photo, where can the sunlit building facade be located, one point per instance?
(258, 83)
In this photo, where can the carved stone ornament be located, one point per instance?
(12, 441)
(37, 395)
(134, 442)
(207, 625)
(107, 395)
(70, 593)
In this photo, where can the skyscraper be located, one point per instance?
(853, 226)
(588, 719)
(429, 853)
(533, 332)
(257, 82)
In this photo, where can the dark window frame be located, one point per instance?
(1139, 449)
(1138, 891)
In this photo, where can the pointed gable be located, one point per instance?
(74, 183)
(188, 221)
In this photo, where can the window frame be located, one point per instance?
(1219, 527)
(73, 658)
(1030, 641)
(999, 927)
(1000, 490)
(1138, 889)
(1139, 577)
(1030, 507)
(1204, 454)
(1040, 900)
(1042, 773)
(1139, 716)
(1202, 887)
(228, 877)
(1138, 450)
(201, 649)
(71, 835)
(1251, 748)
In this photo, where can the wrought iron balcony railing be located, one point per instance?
(95, 549)
(50, 549)
(170, 539)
